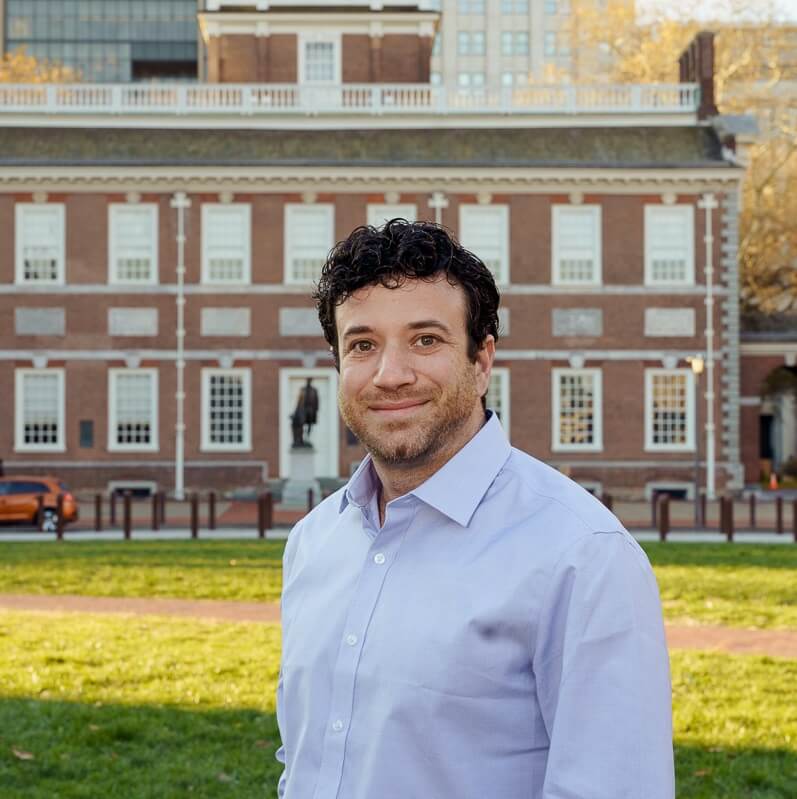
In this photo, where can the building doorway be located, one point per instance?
(325, 434)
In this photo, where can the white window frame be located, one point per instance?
(558, 247)
(113, 444)
(688, 212)
(556, 408)
(292, 236)
(245, 209)
(689, 444)
(19, 416)
(378, 213)
(114, 212)
(20, 210)
(470, 216)
(315, 37)
(504, 389)
(206, 444)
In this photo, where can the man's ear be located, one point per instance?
(485, 356)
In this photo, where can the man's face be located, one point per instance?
(408, 389)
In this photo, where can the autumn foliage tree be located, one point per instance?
(20, 67)
(755, 73)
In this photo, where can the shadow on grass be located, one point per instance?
(88, 751)
(142, 752)
(771, 556)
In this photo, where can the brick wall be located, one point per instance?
(530, 317)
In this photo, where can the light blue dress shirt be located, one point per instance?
(499, 637)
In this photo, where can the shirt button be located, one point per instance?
(337, 726)
(379, 558)
(351, 640)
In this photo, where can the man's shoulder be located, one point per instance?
(553, 499)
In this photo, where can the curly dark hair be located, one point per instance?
(400, 251)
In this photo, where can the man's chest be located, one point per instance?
(415, 610)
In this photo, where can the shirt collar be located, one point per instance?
(457, 488)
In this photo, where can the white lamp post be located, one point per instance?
(697, 363)
(180, 202)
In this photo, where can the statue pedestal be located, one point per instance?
(302, 479)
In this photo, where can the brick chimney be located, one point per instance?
(696, 65)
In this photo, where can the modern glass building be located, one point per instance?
(107, 40)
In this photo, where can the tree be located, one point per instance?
(19, 67)
(755, 73)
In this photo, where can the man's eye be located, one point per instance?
(427, 341)
(361, 346)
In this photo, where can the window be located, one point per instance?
(475, 7)
(514, 6)
(551, 7)
(577, 411)
(436, 79)
(133, 243)
(669, 409)
(669, 245)
(319, 60)
(510, 79)
(379, 214)
(484, 229)
(226, 243)
(226, 409)
(133, 409)
(549, 43)
(470, 43)
(40, 237)
(577, 245)
(498, 395)
(514, 43)
(39, 410)
(437, 45)
(308, 239)
(470, 80)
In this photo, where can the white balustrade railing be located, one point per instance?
(368, 99)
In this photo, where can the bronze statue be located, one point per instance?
(305, 415)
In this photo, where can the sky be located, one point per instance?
(707, 9)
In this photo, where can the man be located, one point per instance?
(460, 621)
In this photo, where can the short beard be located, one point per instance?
(422, 442)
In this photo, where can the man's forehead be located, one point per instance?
(410, 294)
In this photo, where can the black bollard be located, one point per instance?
(98, 512)
(212, 510)
(194, 515)
(59, 522)
(128, 515)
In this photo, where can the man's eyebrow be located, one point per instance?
(425, 323)
(356, 330)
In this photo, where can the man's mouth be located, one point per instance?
(396, 410)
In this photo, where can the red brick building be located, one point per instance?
(608, 214)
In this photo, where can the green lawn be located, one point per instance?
(242, 570)
(100, 707)
(741, 585)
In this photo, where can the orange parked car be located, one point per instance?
(19, 500)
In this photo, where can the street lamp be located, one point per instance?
(697, 363)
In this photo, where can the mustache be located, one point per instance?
(392, 397)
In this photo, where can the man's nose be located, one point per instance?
(394, 368)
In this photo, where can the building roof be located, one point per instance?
(616, 147)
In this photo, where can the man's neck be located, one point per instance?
(395, 480)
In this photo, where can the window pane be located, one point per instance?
(319, 66)
(669, 409)
(226, 423)
(40, 409)
(134, 409)
(576, 408)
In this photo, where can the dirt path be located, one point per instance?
(779, 643)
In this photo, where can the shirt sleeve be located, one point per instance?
(602, 671)
(280, 755)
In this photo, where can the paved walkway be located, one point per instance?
(779, 643)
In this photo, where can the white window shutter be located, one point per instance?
(577, 244)
(484, 230)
